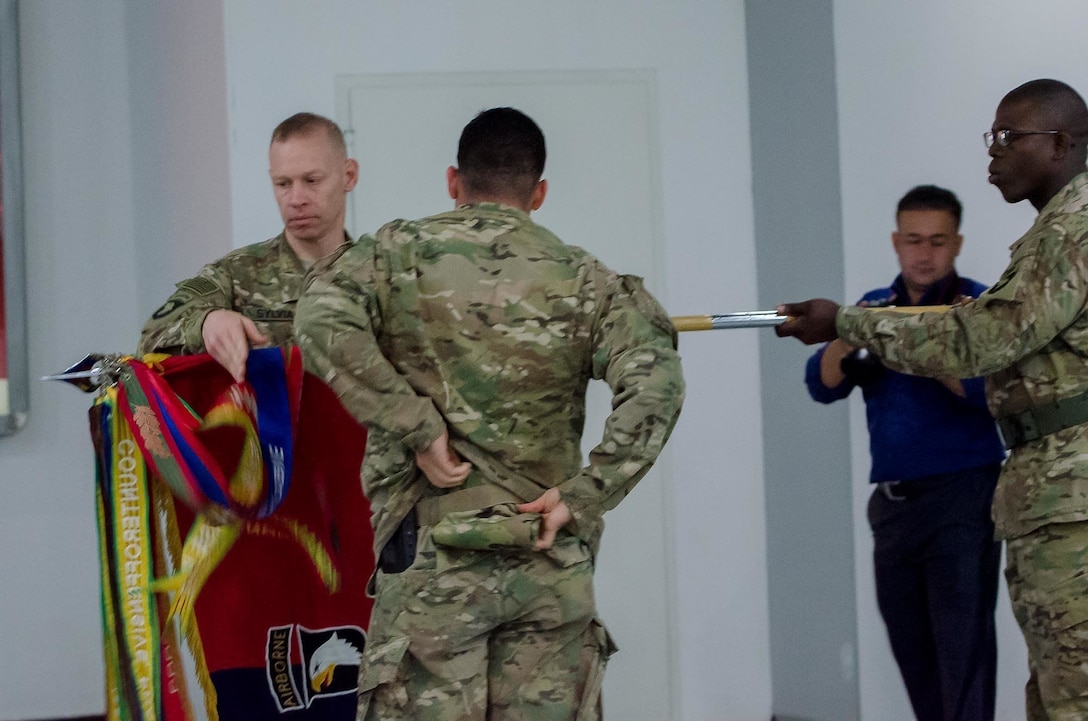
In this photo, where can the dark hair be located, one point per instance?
(501, 152)
(307, 123)
(931, 197)
(1056, 105)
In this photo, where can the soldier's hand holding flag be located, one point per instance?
(228, 336)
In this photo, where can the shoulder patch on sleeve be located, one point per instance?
(648, 305)
(1005, 287)
(173, 303)
(199, 286)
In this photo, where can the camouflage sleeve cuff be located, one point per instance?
(848, 323)
(181, 335)
(587, 520)
(194, 331)
(430, 428)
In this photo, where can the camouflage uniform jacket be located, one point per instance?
(262, 281)
(1028, 335)
(482, 322)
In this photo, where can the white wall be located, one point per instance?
(179, 130)
(80, 268)
(124, 132)
(918, 85)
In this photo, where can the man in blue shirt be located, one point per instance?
(935, 461)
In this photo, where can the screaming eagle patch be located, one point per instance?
(304, 665)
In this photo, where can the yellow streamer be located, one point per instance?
(293, 531)
(204, 548)
(131, 520)
(168, 552)
(246, 485)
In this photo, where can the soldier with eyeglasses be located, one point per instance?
(1028, 335)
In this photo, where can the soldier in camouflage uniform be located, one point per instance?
(465, 342)
(248, 297)
(1028, 335)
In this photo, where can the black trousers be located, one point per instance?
(937, 567)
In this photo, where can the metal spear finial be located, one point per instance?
(91, 373)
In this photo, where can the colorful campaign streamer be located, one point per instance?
(232, 466)
(141, 662)
(178, 444)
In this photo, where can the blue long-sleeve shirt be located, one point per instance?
(917, 427)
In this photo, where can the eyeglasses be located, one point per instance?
(1004, 137)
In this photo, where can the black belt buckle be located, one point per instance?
(888, 488)
(399, 551)
(1019, 429)
(905, 490)
(1011, 435)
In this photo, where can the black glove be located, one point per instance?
(862, 367)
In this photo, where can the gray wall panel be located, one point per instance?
(798, 227)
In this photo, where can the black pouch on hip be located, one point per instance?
(400, 550)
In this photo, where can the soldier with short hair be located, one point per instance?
(248, 297)
(465, 342)
(264, 589)
(1028, 335)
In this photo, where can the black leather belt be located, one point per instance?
(1034, 423)
(912, 488)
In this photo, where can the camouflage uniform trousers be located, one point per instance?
(1047, 573)
(495, 635)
